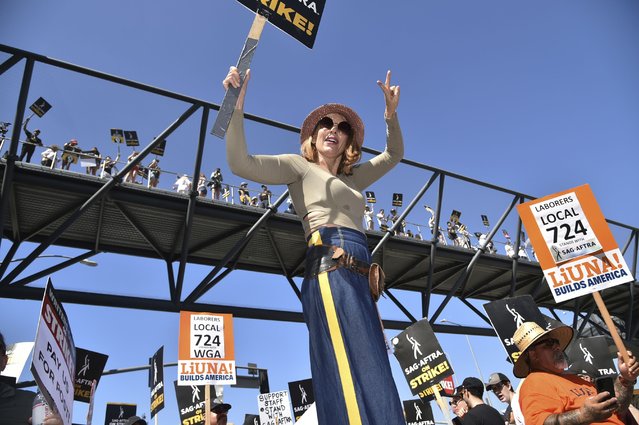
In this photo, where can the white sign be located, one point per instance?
(53, 362)
(18, 354)
(565, 228)
(275, 408)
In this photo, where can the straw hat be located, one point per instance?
(334, 108)
(529, 333)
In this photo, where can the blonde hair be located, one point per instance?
(350, 157)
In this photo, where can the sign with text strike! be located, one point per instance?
(205, 352)
(573, 243)
(53, 362)
(191, 403)
(421, 357)
(88, 367)
(298, 18)
(156, 381)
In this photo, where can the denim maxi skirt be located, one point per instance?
(352, 379)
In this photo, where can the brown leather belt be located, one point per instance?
(326, 258)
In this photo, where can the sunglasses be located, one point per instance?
(497, 387)
(343, 127)
(547, 343)
(454, 402)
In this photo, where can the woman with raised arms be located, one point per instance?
(352, 378)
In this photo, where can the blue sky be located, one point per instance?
(535, 97)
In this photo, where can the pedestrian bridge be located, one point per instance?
(54, 207)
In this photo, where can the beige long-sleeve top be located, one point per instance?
(319, 197)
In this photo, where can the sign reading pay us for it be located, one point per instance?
(573, 243)
(205, 351)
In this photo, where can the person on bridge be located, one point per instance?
(352, 378)
(28, 147)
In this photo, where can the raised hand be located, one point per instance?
(233, 79)
(391, 95)
(629, 371)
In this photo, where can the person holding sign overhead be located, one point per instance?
(352, 379)
(549, 396)
(32, 141)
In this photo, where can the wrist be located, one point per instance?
(628, 383)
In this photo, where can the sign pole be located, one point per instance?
(90, 411)
(230, 98)
(611, 326)
(207, 404)
(441, 404)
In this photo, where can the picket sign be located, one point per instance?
(571, 238)
(230, 97)
(207, 404)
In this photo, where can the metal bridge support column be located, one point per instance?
(7, 181)
(190, 211)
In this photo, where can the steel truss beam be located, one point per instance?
(107, 300)
(461, 281)
(102, 192)
(235, 251)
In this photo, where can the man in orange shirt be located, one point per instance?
(549, 396)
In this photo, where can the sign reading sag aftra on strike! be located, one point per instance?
(298, 18)
(205, 351)
(421, 357)
(573, 243)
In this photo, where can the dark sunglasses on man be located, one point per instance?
(546, 343)
(497, 387)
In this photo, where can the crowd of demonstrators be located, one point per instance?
(16, 404)
(457, 233)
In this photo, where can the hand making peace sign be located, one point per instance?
(391, 95)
